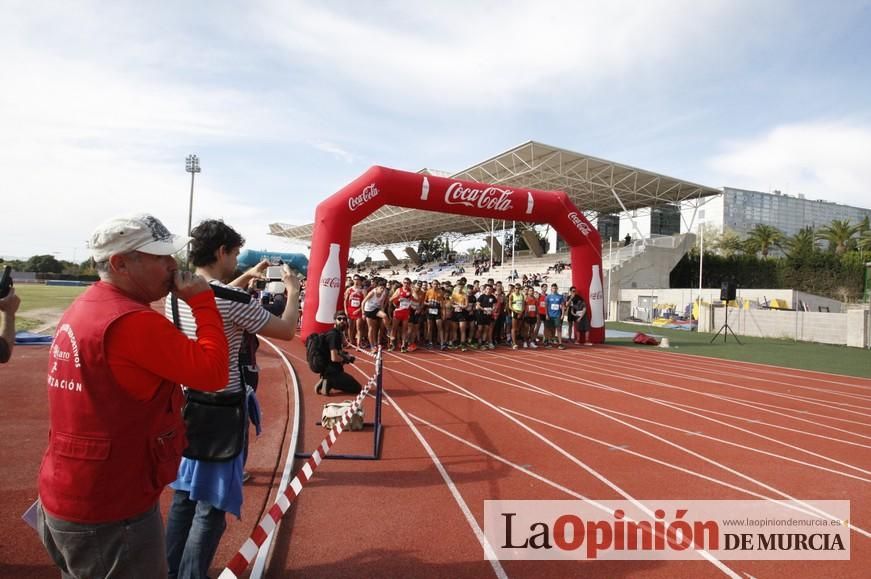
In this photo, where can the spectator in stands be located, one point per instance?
(205, 490)
(335, 377)
(8, 307)
(115, 422)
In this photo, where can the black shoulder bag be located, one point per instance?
(216, 422)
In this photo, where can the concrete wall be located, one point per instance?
(851, 328)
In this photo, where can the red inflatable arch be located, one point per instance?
(381, 186)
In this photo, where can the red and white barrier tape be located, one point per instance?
(246, 554)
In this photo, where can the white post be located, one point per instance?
(513, 243)
(502, 259)
(701, 262)
(491, 243)
(610, 265)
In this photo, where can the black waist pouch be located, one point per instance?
(216, 425)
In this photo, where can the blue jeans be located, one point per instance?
(193, 531)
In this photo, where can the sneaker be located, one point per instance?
(533, 346)
(588, 343)
(318, 386)
(492, 346)
(403, 349)
(514, 347)
(560, 347)
(413, 347)
(246, 476)
(548, 347)
(463, 348)
(443, 347)
(525, 345)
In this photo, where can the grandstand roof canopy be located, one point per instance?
(587, 180)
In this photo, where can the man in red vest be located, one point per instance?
(116, 429)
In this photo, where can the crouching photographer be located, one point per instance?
(333, 375)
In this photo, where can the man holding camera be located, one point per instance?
(8, 306)
(334, 376)
(206, 490)
(116, 433)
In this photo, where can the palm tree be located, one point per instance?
(728, 243)
(864, 241)
(801, 244)
(762, 238)
(839, 233)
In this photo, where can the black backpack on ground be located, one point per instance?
(316, 353)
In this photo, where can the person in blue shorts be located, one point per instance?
(555, 306)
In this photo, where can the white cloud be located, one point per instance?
(485, 54)
(336, 151)
(825, 160)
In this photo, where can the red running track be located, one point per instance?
(599, 423)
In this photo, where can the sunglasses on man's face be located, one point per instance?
(341, 319)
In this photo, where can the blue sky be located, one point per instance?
(286, 101)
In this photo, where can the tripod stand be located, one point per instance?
(726, 329)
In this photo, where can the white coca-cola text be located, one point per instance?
(579, 223)
(368, 193)
(491, 198)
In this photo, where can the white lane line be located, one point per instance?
(562, 362)
(574, 459)
(264, 554)
(693, 375)
(783, 494)
(757, 367)
(654, 460)
(770, 425)
(479, 534)
(663, 366)
(780, 371)
(569, 378)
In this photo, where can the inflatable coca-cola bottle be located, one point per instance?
(328, 292)
(597, 300)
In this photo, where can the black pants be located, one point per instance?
(338, 379)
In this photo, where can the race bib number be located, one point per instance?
(355, 303)
(433, 311)
(458, 308)
(487, 310)
(404, 303)
(530, 308)
(554, 307)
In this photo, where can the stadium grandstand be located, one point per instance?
(602, 189)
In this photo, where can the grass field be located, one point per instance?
(788, 353)
(42, 304)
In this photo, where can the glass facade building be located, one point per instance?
(744, 209)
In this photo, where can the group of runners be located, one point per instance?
(412, 314)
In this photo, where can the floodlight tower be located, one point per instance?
(192, 166)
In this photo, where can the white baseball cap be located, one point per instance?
(139, 232)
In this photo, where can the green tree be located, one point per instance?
(43, 264)
(839, 234)
(864, 241)
(431, 249)
(762, 238)
(728, 243)
(801, 245)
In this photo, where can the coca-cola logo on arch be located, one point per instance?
(490, 198)
(368, 193)
(579, 223)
